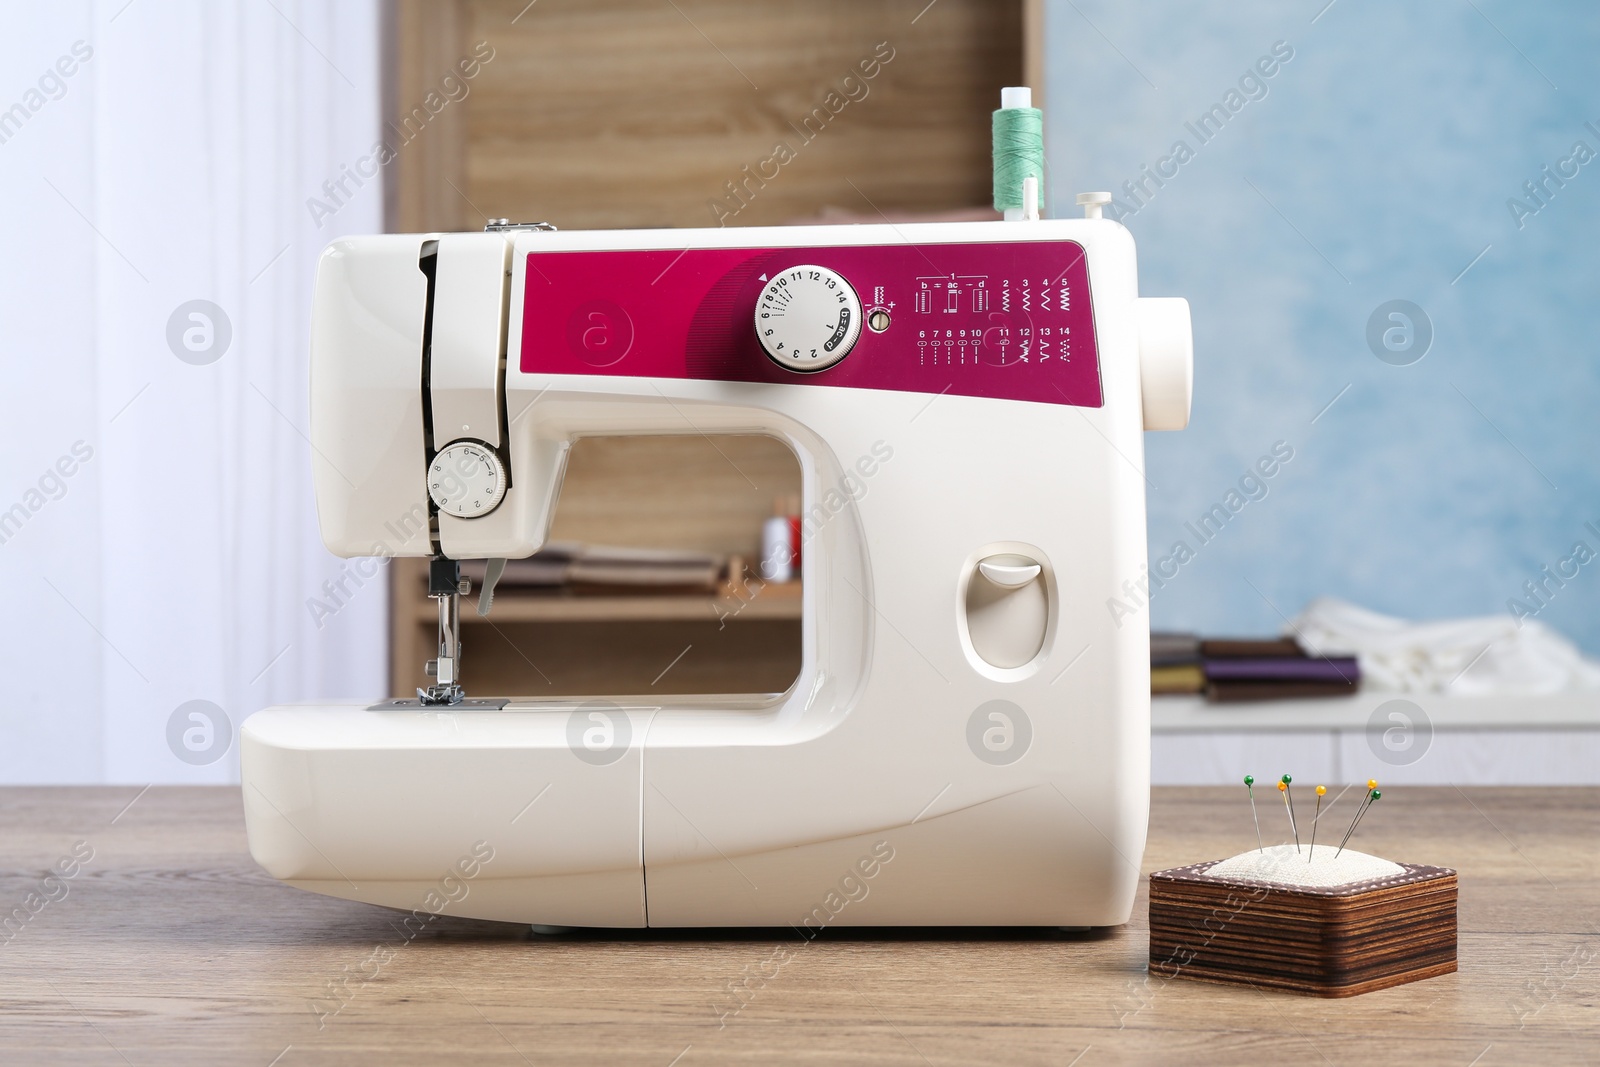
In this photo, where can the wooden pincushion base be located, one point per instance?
(1333, 942)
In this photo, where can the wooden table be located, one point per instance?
(171, 947)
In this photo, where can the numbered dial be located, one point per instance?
(466, 479)
(808, 318)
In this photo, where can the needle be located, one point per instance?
(1249, 784)
(1322, 791)
(1372, 795)
(1288, 802)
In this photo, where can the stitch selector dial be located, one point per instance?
(807, 318)
(466, 479)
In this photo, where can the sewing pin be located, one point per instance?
(1288, 802)
(1376, 796)
(1249, 784)
(1322, 791)
(1372, 795)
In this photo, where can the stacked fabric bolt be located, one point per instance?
(1175, 666)
(1236, 669)
(1278, 669)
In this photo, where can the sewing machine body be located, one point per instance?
(967, 742)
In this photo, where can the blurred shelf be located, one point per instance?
(775, 601)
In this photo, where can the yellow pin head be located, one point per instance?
(1322, 790)
(1372, 783)
(1283, 787)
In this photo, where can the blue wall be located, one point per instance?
(1388, 147)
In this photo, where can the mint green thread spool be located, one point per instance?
(1018, 131)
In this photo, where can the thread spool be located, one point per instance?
(780, 542)
(1018, 139)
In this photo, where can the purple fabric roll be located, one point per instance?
(1333, 669)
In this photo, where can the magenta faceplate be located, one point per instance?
(1011, 321)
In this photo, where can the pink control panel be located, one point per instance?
(1011, 321)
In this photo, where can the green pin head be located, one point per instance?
(1286, 779)
(1249, 779)
(1376, 795)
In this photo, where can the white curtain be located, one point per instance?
(158, 537)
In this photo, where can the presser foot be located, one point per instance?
(445, 586)
(440, 695)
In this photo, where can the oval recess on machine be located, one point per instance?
(1007, 609)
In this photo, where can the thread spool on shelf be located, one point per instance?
(1018, 143)
(780, 541)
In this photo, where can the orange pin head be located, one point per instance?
(1322, 790)
(1283, 787)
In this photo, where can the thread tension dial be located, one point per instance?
(807, 318)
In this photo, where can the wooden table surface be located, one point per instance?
(169, 946)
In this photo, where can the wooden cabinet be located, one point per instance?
(639, 113)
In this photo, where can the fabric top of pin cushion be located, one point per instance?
(1282, 869)
(1285, 865)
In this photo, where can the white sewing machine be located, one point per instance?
(967, 742)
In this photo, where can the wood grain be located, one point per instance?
(424, 40)
(626, 113)
(1338, 942)
(616, 658)
(171, 947)
(690, 491)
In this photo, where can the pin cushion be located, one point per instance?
(1331, 925)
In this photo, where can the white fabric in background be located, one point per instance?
(1487, 656)
(172, 165)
